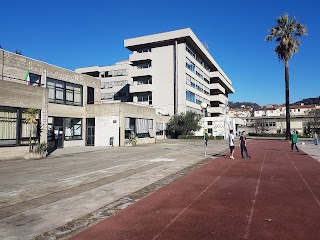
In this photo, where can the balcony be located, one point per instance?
(135, 57)
(214, 86)
(215, 110)
(219, 98)
(139, 72)
(135, 88)
(227, 84)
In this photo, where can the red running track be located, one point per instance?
(273, 195)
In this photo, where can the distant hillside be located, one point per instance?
(309, 101)
(241, 104)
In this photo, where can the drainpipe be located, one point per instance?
(175, 78)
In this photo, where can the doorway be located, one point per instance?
(90, 131)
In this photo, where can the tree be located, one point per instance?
(313, 121)
(31, 118)
(183, 124)
(287, 34)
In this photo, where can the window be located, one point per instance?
(210, 130)
(190, 96)
(143, 65)
(143, 80)
(8, 127)
(114, 73)
(107, 96)
(73, 128)
(120, 83)
(138, 126)
(142, 50)
(196, 57)
(90, 95)
(190, 65)
(209, 123)
(106, 85)
(145, 97)
(64, 92)
(35, 80)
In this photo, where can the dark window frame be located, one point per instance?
(57, 85)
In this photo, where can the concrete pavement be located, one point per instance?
(273, 195)
(74, 187)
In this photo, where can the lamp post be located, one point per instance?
(204, 106)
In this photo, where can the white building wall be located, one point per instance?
(163, 78)
(181, 68)
(106, 128)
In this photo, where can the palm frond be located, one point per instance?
(286, 33)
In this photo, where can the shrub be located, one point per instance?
(132, 140)
(199, 137)
(41, 148)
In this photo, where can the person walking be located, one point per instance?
(294, 140)
(206, 137)
(231, 144)
(243, 144)
(315, 138)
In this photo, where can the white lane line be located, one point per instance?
(190, 204)
(255, 197)
(315, 197)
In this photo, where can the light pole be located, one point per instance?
(204, 106)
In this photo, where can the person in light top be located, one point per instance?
(231, 144)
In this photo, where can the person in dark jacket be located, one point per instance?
(243, 145)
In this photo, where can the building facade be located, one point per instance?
(172, 72)
(70, 108)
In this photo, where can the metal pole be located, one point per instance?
(204, 135)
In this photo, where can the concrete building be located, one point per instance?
(71, 112)
(275, 111)
(115, 81)
(172, 72)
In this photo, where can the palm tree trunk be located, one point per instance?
(30, 133)
(286, 73)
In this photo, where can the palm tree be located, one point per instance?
(287, 34)
(31, 118)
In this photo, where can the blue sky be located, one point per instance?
(74, 34)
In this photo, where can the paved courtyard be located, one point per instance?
(273, 195)
(79, 186)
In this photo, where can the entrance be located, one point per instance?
(90, 132)
(58, 137)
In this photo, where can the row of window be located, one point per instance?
(114, 73)
(196, 57)
(192, 67)
(197, 85)
(143, 80)
(108, 96)
(64, 92)
(142, 50)
(65, 128)
(192, 97)
(141, 127)
(13, 127)
(266, 124)
(143, 65)
(114, 83)
(145, 97)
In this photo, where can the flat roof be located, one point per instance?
(186, 33)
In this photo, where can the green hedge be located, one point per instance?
(266, 135)
(273, 135)
(199, 137)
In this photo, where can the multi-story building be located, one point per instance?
(115, 80)
(295, 110)
(240, 112)
(71, 112)
(172, 72)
